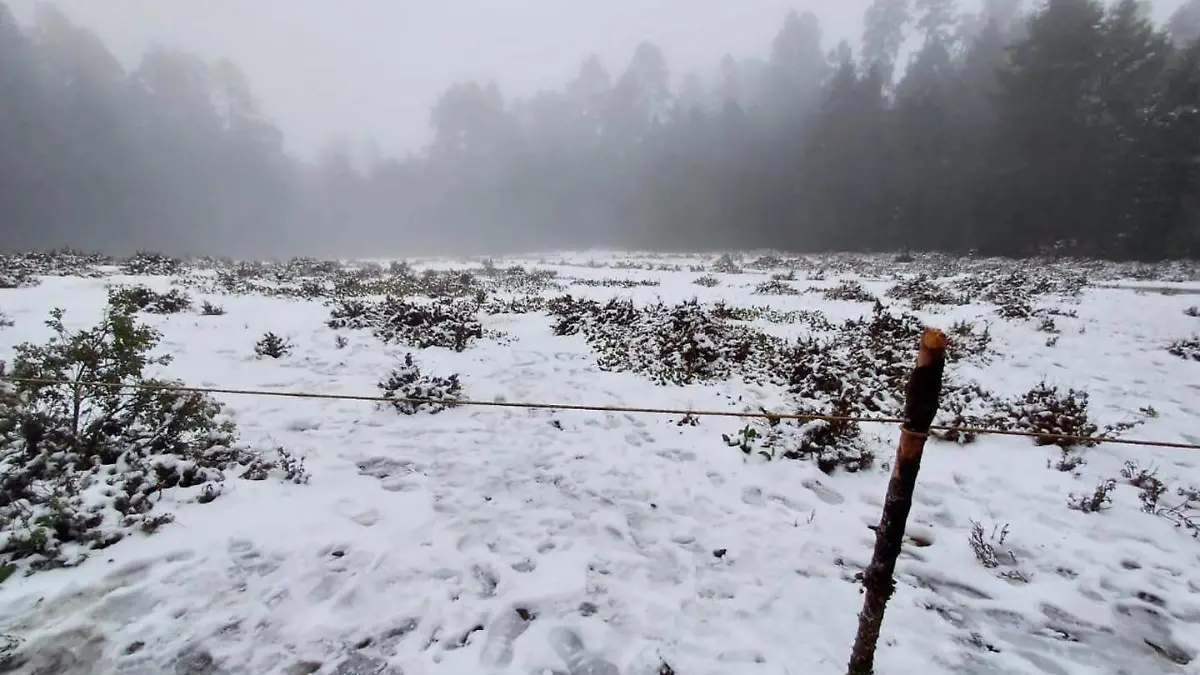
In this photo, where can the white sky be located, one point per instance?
(358, 69)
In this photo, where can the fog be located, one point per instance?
(278, 128)
(372, 68)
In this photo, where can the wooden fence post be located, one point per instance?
(920, 405)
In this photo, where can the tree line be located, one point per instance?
(1072, 127)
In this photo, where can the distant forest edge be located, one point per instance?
(1071, 127)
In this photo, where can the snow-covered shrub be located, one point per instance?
(15, 274)
(410, 391)
(775, 287)
(726, 264)
(519, 305)
(517, 279)
(1188, 348)
(144, 263)
(968, 341)
(311, 267)
(1015, 308)
(1050, 413)
(769, 261)
(965, 405)
(82, 465)
(433, 283)
(832, 443)
(671, 344)
(286, 467)
(616, 283)
(352, 314)
(707, 281)
(452, 324)
(850, 291)
(1099, 500)
(5, 322)
(209, 309)
(921, 291)
(441, 323)
(23, 269)
(272, 346)
(141, 298)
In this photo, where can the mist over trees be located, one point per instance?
(1072, 127)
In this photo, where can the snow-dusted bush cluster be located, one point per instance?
(22, 269)
(141, 298)
(5, 322)
(861, 369)
(517, 279)
(526, 304)
(410, 391)
(1015, 292)
(775, 287)
(921, 291)
(1048, 411)
(452, 324)
(436, 284)
(671, 344)
(11, 277)
(146, 263)
(850, 291)
(1187, 348)
(617, 283)
(82, 466)
(727, 264)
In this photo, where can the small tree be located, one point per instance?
(273, 346)
(88, 443)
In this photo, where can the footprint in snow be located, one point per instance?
(823, 492)
(357, 514)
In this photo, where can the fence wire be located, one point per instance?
(1045, 438)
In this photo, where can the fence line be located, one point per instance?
(766, 415)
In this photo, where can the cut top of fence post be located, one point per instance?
(933, 346)
(924, 387)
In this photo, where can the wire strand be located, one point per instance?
(1047, 438)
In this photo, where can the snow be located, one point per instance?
(425, 542)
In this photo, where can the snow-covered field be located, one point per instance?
(485, 540)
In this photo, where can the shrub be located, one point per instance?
(1050, 413)
(1099, 500)
(144, 263)
(1186, 349)
(707, 281)
(851, 291)
(441, 323)
(141, 298)
(272, 346)
(833, 444)
(617, 283)
(921, 291)
(82, 465)
(671, 344)
(452, 324)
(726, 265)
(775, 287)
(209, 309)
(410, 391)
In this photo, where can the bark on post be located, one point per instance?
(920, 405)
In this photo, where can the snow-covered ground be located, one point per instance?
(483, 540)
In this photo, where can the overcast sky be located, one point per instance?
(361, 69)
